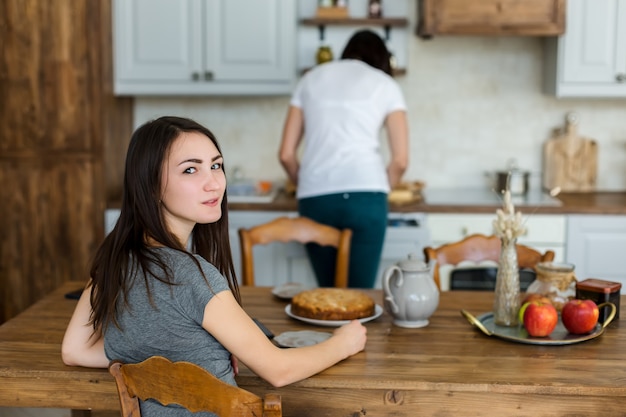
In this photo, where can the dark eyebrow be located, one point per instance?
(199, 161)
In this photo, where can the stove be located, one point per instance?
(485, 197)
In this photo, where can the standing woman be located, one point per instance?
(339, 108)
(162, 282)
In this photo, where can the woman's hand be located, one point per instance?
(398, 136)
(353, 336)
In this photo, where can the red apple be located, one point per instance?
(580, 316)
(540, 318)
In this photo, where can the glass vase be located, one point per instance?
(507, 294)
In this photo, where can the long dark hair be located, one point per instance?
(367, 46)
(125, 250)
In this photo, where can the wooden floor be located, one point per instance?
(49, 412)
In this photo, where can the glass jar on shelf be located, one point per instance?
(324, 54)
(556, 281)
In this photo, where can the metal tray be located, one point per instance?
(559, 336)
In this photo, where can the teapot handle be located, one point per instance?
(388, 295)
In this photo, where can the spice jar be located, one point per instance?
(556, 281)
(600, 291)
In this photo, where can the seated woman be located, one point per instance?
(162, 282)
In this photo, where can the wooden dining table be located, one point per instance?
(447, 368)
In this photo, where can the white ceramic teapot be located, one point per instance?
(411, 295)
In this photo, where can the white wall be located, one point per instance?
(474, 103)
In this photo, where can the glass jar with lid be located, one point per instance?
(324, 54)
(556, 281)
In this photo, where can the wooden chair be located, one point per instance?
(188, 385)
(295, 229)
(479, 248)
(483, 278)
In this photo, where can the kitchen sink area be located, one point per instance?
(249, 191)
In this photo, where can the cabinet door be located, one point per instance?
(204, 47)
(491, 17)
(595, 245)
(156, 40)
(590, 59)
(446, 228)
(250, 40)
(56, 113)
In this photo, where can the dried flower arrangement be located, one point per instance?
(508, 224)
(508, 227)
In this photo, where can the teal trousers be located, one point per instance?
(363, 212)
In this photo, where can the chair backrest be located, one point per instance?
(477, 248)
(483, 278)
(187, 385)
(295, 229)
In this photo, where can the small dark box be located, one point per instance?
(600, 291)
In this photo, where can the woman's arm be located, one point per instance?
(398, 136)
(292, 135)
(81, 347)
(229, 324)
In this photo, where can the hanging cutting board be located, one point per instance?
(569, 160)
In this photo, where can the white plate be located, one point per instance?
(287, 290)
(378, 311)
(301, 338)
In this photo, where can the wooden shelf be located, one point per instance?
(386, 22)
(382, 21)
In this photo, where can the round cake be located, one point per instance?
(332, 304)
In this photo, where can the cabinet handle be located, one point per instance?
(620, 78)
(208, 76)
(195, 76)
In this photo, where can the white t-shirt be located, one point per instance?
(345, 104)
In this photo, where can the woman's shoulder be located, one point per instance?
(345, 69)
(181, 261)
(357, 68)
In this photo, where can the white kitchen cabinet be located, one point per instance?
(204, 47)
(596, 245)
(589, 60)
(543, 231)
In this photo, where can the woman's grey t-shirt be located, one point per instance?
(172, 325)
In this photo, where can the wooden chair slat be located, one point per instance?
(295, 229)
(189, 386)
(479, 247)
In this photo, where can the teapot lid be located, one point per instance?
(412, 263)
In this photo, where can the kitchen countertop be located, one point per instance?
(601, 202)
